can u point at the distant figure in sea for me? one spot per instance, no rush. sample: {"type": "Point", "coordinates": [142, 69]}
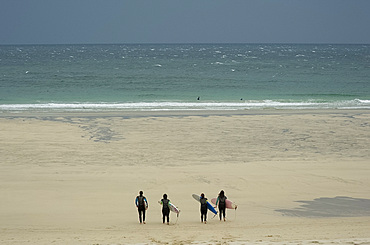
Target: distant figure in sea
{"type": "Point", "coordinates": [142, 206]}
{"type": "Point", "coordinates": [165, 208]}
{"type": "Point", "coordinates": [221, 202]}
{"type": "Point", "coordinates": [198, 98]}
{"type": "Point", "coordinates": [203, 208]}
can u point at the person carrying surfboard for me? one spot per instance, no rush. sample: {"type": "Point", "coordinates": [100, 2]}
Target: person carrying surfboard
{"type": "Point", "coordinates": [203, 208]}
{"type": "Point", "coordinates": [165, 208]}
{"type": "Point", "coordinates": [142, 206]}
{"type": "Point", "coordinates": [221, 202]}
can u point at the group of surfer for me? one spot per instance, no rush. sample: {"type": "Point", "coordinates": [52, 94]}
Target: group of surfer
{"type": "Point", "coordinates": [142, 205]}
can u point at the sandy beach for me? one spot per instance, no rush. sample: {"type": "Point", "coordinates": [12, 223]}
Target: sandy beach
{"type": "Point", "coordinates": [298, 177]}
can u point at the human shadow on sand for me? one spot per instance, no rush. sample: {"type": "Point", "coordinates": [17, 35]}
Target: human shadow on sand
{"type": "Point", "coordinates": [339, 206]}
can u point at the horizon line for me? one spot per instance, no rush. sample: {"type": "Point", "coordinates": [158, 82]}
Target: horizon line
{"type": "Point", "coordinates": [189, 43]}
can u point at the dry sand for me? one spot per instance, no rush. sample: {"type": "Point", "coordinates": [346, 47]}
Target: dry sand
{"type": "Point", "coordinates": [297, 177]}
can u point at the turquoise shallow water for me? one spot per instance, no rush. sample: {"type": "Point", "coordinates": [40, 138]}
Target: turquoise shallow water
{"type": "Point", "coordinates": [184, 77]}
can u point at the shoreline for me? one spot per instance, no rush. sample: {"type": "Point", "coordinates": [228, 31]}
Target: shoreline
{"type": "Point", "coordinates": [180, 113]}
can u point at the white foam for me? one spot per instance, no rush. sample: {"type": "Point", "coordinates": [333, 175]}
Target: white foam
{"type": "Point", "coordinates": [159, 105]}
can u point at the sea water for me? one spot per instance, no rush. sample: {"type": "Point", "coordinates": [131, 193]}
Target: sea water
{"type": "Point", "coordinates": [184, 77]}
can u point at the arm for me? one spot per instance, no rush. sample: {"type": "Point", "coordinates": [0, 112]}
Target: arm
{"type": "Point", "coordinates": [136, 202]}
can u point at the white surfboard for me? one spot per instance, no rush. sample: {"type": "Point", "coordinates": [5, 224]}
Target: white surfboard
{"type": "Point", "coordinates": [173, 208]}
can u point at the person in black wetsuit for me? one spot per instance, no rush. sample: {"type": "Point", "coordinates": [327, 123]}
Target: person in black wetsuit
{"type": "Point", "coordinates": [203, 208]}
{"type": "Point", "coordinates": [142, 206]}
{"type": "Point", "coordinates": [221, 202]}
{"type": "Point", "coordinates": [165, 208]}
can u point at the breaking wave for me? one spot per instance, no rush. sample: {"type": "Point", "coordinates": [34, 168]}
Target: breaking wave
{"type": "Point", "coordinates": [167, 106]}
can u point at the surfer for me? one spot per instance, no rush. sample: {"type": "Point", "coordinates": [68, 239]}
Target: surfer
{"type": "Point", "coordinates": [142, 206]}
{"type": "Point", "coordinates": [165, 208]}
{"type": "Point", "coordinates": [203, 208]}
{"type": "Point", "coordinates": [221, 202]}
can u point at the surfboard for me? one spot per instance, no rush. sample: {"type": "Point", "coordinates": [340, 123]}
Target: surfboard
{"type": "Point", "coordinates": [229, 204]}
{"type": "Point", "coordinates": [209, 205]}
{"type": "Point", "coordinates": [173, 208]}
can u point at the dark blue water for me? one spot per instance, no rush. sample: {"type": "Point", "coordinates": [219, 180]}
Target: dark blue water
{"type": "Point", "coordinates": [167, 77]}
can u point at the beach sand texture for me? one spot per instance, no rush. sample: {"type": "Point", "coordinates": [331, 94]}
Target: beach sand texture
{"type": "Point", "coordinates": [298, 177]}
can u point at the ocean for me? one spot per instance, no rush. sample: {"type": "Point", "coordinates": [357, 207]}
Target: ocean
{"type": "Point", "coordinates": [150, 77]}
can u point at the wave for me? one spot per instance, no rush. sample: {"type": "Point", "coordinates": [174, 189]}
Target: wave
{"type": "Point", "coordinates": [163, 106]}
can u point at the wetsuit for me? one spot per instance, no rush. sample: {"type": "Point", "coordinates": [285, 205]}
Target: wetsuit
{"type": "Point", "coordinates": [203, 209]}
{"type": "Point", "coordinates": [221, 201]}
{"type": "Point", "coordinates": [141, 204]}
{"type": "Point", "coordinates": [166, 209]}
